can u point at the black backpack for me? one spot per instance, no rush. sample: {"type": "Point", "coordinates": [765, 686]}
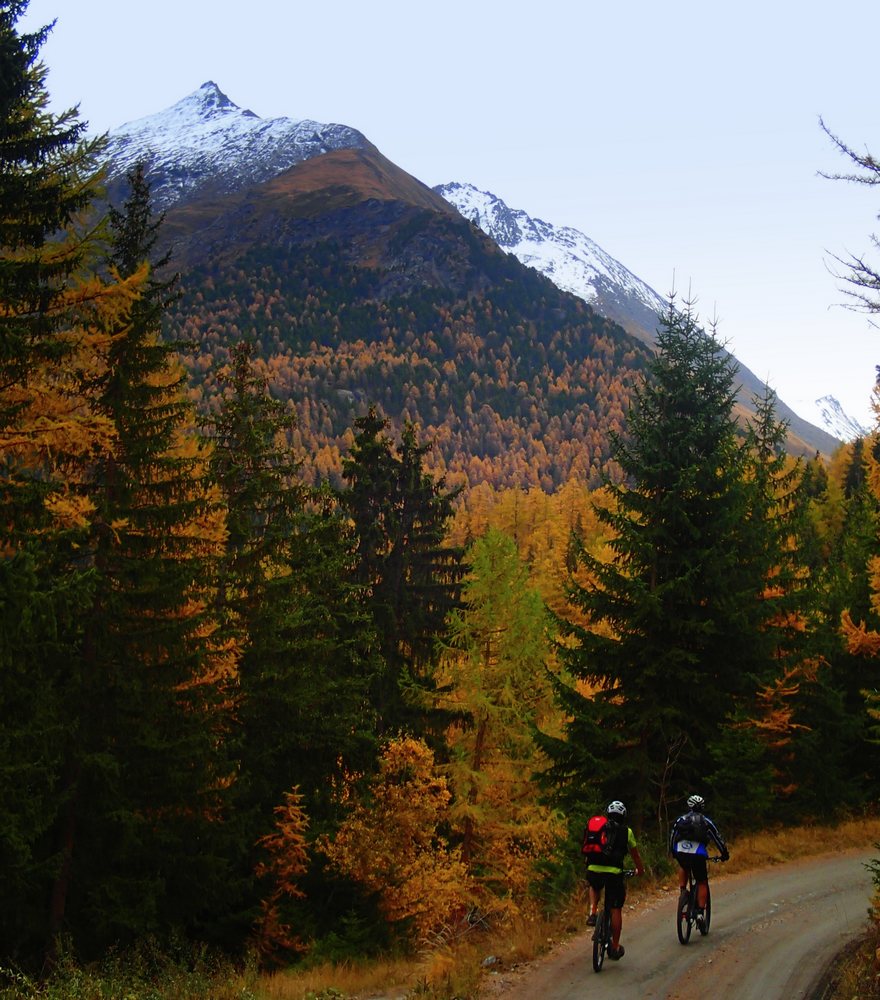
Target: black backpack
{"type": "Point", "coordinates": [692, 826]}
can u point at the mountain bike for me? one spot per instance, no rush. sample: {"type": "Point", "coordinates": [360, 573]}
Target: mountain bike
{"type": "Point", "coordinates": [688, 915]}
{"type": "Point", "coordinates": [602, 932]}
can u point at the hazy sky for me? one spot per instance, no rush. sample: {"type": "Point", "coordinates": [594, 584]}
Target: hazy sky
{"type": "Point", "coordinates": [682, 137]}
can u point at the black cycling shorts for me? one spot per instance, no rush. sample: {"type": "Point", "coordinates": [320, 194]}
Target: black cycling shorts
{"type": "Point", "coordinates": [695, 863]}
{"type": "Point", "coordinates": [613, 884]}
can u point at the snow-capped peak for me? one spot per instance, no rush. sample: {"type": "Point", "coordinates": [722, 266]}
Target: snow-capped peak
{"type": "Point", "coordinates": [206, 140]}
{"type": "Point", "coordinates": [827, 413]}
{"type": "Point", "coordinates": [571, 260]}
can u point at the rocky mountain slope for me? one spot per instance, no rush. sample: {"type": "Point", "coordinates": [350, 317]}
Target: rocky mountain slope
{"type": "Point", "coordinates": [578, 265]}
{"type": "Point", "coordinates": [361, 285]}
{"type": "Point", "coordinates": [206, 145]}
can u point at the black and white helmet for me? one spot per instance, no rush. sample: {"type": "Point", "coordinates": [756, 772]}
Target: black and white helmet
{"type": "Point", "coordinates": [697, 803]}
{"type": "Point", "coordinates": [616, 808]}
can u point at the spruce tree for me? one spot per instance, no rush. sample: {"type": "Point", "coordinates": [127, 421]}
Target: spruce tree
{"type": "Point", "coordinates": [146, 772]}
{"type": "Point", "coordinates": [411, 577]}
{"type": "Point", "coordinates": [669, 643]}
{"type": "Point", "coordinates": [308, 647]}
{"type": "Point", "coordinates": [51, 320]}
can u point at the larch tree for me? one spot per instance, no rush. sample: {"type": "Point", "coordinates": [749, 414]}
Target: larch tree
{"type": "Point", "coordinates": [494, 671]}
{"type": "Point", "coordinates": [393, 844]}
{"type": "Point", "coordinates": [858, 272]}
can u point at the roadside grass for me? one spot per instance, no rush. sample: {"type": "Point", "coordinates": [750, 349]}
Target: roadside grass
{"type": "Point", "coordinates": [857, 975]}
{"type": "Point", "coordinates": [462, 969]}
{"type": "Point", "coordinates": [459, 969]}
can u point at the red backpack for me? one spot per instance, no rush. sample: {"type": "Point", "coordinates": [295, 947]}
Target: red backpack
{"type": "Point", "coordinates": [605, 842]}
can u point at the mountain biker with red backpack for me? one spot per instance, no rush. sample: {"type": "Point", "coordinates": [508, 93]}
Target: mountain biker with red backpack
{"type": "Point", "coordinates": [689, 841]}
{"type": "Point", "coordinates": [604, 848]}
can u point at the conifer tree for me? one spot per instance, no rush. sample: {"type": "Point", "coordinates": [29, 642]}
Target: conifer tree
{"type": "Point", "coordinates": [308, 648]}
{"type": "Point", "coordinates": [669, 640]}
{"type": "Point", "coordinates": [412, 578]}
{"type": "Point", "coordinates": [52, 336]}
{"type": "Point", "coordinates": [793, 683]}
{"type": "Point", "coordinates": [494, 671]}
{"type": "Point", "coordinates": [146, 774]}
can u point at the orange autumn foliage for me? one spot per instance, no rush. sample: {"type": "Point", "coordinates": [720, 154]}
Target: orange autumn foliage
{"type": "Point", "coordinates": [391, 843]}
{"type": "Point", "coordinates": [288, 860]}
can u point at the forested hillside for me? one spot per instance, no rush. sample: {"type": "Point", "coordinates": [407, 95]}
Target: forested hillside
{"type": "Point", "coordinates": [288, 701]}
{"type": "Point", "coordinates": [517, 385]}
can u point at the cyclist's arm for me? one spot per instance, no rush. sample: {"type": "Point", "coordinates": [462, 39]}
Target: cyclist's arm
{"type": "Point", "coordinates": [717, 839]}
{"type": "Point", "coordinates": [634, 854]}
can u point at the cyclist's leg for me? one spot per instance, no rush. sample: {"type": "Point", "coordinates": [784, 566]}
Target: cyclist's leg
{"type": "Point", "coordinates": [682, 880]}
{"type": "Point", "coordinates": [595, 882]}
{"type": "Point", "coordinates": [615, 889]}
{"type": "Point", "coordinates": [701, 875]}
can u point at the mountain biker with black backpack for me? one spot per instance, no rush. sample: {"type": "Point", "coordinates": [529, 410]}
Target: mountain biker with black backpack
{"type": "Point", "coordinates": [689, 841]}
{"type": "Point", "coordinates": [607, 840]}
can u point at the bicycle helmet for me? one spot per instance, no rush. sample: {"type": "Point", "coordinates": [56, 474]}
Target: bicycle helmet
{"type": "Point", "coordinates": [697, 803]}
{"type": "Point", "coordinates": [616, 808]}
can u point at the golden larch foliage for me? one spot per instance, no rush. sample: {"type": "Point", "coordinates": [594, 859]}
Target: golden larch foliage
{"type": "Point", "coordinates": [391, 843]}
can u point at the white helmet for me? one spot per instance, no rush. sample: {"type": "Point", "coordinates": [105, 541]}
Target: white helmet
{"type": "Point", "coordinates": [697, 803]}
{"type": "Point", "coordinates": [616, 808]}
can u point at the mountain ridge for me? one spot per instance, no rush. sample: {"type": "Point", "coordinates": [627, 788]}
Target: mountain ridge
{"type": "Point", "coordinates": [579, 265]}
{"type": "Point", "coordinates": [409, 290]}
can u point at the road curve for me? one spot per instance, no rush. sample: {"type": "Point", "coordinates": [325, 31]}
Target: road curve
{"type": "Point", "coordinates": [773, 934]}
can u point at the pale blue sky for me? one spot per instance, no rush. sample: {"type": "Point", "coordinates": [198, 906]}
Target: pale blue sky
{"type": "Point", "coordinates": [682, 137]}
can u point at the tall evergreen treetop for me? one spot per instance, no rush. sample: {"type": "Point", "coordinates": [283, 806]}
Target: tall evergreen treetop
{"type": "Point", "coordinates": [667, 645]}
{"type": "Point", "coordinates": [412, 578]}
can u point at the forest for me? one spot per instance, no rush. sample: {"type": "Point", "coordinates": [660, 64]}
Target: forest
{"type": "Point", "coordinates": [291, 715]}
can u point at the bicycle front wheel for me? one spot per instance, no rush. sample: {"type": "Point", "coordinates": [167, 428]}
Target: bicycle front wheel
{"type": "Point", "coordinates": [601, 936]}
{"type": "Point", "coordinates": [684, 918]}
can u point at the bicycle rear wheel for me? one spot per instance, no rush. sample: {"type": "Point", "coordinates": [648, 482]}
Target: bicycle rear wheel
{"type": "Point", "coordinates": [684, 917]}
{"type": "Point", "coordinates": [601, 937]}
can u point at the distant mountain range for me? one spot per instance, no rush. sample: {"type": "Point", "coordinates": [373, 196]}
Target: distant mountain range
{"type": "Point", "coordinates": [571, 260]}
{"type": "Point", "coordinates": [578, 265]}
{"type": "Point", "coordinates": [361, 283]}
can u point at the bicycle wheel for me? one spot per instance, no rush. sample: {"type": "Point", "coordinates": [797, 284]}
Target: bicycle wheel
{"type": "Point", "coordinates": [601, 937]}
{"type": "Point", "coordinates": [704, 929]}
{"type": "Point", "coordinates": [684, 918]}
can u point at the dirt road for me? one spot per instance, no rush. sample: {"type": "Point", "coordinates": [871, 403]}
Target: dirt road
{"type": "Point", "coordinates": [773, 934]}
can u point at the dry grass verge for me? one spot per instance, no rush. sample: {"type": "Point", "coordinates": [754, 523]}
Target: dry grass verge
{"type": "Point", "coordinates": [459, 970]}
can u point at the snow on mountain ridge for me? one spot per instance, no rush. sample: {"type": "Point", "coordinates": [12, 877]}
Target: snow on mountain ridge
{"type": "Point", "coordinates": [828, 413]}
{"type": "Point", "coordinates": [206, 139]}
{"type": "Point", "coordinates": [570, 259]}
{"type": "Point", "coordinates": [576, 264]}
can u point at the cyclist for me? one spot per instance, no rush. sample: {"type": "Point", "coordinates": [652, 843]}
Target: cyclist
{"type": "Point", "coordinates": [689, 841]}
{"type": "Point", "coordinates": [610, 877]}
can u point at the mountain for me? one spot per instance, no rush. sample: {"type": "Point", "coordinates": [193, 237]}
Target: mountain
{"type": "Point", "coordinates": [362, 285]}
{"type": "Point", "coordinates": [578, 265]}
{"type": "Point", "coordinates": [207, 145]}
{"type": "Point", "coordinates": [830, 415]}
{"type": "Point", "coordinates": [571, 260]}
